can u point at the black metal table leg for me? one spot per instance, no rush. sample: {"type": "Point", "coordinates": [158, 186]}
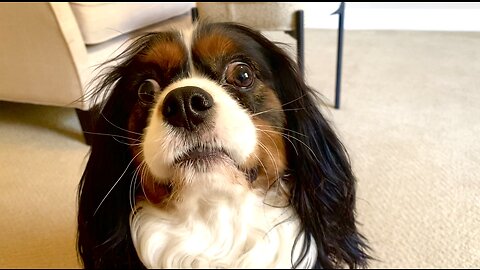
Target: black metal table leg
{"type": "Point", "coordinates": [341, 13]}
{"type": "Point", "coordinates": [299, 29]}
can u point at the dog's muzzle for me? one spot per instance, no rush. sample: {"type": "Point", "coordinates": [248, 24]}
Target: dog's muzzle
{"type": "Point", "coordinates": [187, 107]}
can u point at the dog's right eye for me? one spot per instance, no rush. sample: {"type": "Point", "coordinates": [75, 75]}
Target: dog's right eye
{"type": "Point", "coordinates": [147, 91]}
{"type": "Point", "coordinates": [240, 75]}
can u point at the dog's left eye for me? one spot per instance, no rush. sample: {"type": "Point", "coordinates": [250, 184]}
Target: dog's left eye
{"type": "Point", "coordinates": [240, 75]}
{"type": "Point", "coordinates": [147, 91]}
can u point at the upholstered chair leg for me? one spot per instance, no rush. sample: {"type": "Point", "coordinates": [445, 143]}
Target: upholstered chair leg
{"type": "Point", "coordinates": [86, 122]}
{"type": "Point", "coordinates": [194, 14]}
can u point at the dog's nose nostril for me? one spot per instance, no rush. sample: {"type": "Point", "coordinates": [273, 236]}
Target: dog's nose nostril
{"type": "Point", "coordinates": [200, 102]}
{"type": "Point", "coordinates": [187, 107]}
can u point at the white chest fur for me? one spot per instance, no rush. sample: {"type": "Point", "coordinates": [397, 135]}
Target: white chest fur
{"type": "Point", "coordinates": [217, 227]}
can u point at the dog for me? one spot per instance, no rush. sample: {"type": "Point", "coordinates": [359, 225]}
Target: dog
{"type": "Point", "coordinates": [211, 151]}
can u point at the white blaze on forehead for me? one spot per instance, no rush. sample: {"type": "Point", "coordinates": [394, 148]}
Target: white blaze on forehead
{"type": "Point", "coordinates": [232, 130]}
{"type": "Point", "coordinates": [187, 37]}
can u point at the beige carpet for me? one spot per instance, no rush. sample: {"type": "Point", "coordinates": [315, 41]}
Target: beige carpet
{"type": "Point", "coordinates": [410, 117]}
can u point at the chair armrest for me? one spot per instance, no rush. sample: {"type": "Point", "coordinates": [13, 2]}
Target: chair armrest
{"type": "Point", "coordinates": [42, 54]}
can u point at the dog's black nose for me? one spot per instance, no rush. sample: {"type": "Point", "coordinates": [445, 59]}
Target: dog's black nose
{"type": "Point", "coordinates": [187, 107]}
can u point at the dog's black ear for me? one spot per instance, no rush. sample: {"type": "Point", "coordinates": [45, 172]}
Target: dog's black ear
{"type": "Point", "coordinates": [325, 186]}
{"type": "Point", "coordinates": [324, 189]}
{"type": "Point", "coordinates": [106, 190]}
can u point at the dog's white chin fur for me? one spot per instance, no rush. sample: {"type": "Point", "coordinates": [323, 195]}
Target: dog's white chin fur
{"type": "Point", "coordinates": [217, 224]}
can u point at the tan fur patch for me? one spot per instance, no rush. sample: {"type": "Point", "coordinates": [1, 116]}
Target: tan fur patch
{"type": "Point", "coordinates": [271, 153]}
{"type": "Point", "coordinates": [214, 46]}
{"type": "Point", "coordinates": [150, 189]}
{"type": "Point", "coordinates": [167, 54]}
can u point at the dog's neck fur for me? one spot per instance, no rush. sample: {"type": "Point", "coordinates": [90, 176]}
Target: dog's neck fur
{"type": "Point", "coordinates": [217, 223]}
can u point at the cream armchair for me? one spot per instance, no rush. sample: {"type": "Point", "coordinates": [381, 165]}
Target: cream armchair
{"type": "Point", "coordinates": [48, 50]}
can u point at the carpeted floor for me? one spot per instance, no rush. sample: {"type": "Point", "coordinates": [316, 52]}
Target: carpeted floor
{"type": "Point", "coordinates": [410, 117]}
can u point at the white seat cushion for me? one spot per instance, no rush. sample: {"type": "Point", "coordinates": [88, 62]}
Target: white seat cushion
{"type": "Point", "coordinates": [101, 21]}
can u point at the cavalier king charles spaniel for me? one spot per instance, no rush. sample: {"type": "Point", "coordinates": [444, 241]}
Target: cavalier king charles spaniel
{"type": "Point", "coordinates": [212, 152]}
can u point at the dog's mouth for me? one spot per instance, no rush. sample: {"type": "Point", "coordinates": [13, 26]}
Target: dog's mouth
{"type": "Point", "coordinates": [203, 156]}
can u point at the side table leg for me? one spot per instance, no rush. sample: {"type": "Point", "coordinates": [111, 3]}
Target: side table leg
{"type": "Point", "coordinates": [299, 28]}
{"type": "Point", "coordinates": [341, 13]}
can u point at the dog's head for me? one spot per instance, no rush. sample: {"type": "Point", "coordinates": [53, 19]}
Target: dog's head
{"type": "Point", "coordinates": [215, 99]}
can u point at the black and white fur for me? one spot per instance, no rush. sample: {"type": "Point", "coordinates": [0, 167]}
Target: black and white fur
{"type": "Point", "coordinates": [211, 151]}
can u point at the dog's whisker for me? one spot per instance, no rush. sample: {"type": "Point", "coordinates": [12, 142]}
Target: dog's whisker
{"type": "Point", "coordinates": [126, 130]}
{"type": "Point", "coordinates": [139, 173]}
{"type": "Point", "coordinates": [290, 109]}
{"type": "Point", "coordinates": [291, 101]}
{"type": "Point", "coordinates": [129, 144]}
{"type": "Point", "coordinates": [276, 110]}
{"type": "Point", "coordinates": [283, 135]}
{"type": "Point", "coordinates": [116, 182]}
{"type": "Point", "coordinates": [271, 139]}
{"type": "Point", "coordinates": [304, 144]}
{"type": "Point", "coordinates": [261, 163]}
{"type": "Point", "coordinates": [142, 179]}
{"type": "Point", "coordinates": [115, 136]}
{"type": "Point", "coordinates": [293, 131]}
{"type": "Point", "coordinates": [133, 187]}
{"type": "Point", "coordinates": [272, 158]}
{"type": "Point", "coordinates": [260, 113]}
{"type": "Point", "coordinates": [268, 179]}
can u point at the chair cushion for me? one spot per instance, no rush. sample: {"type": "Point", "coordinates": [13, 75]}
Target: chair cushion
{"type": "Point", "coordinates": [101, 21]}
{"type": "Point", "coordinates": [265, 16]}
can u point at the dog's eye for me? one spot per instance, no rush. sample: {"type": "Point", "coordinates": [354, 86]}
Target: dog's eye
{"type": "Point", "coordinates": [147, 91]}
{"type": "Point", "coordinates": [240, 75]}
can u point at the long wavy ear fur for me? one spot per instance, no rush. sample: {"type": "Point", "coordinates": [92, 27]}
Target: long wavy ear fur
{"type": "Point", "coordinates": [104, 208]}
{"type": "Point", "coordinates": [103, 239]}
{"type": "Point", "coordinates": [324, 190]}
{"type": "Point", "coordinates": [103, 234]}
